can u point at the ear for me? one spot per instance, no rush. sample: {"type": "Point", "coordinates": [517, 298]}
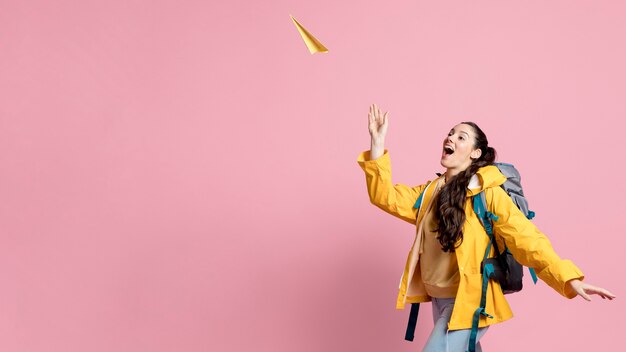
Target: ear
{"type": "Point", "coordinates": [476, 153]}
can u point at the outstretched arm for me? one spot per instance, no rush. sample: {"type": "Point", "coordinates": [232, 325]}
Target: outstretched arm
{"type": "Point", "coordinates": [533, 249]}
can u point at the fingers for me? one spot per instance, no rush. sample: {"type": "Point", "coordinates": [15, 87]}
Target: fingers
{"type": "Point", "coordinates": [372, 114]}
{"type": "Point", "coordinates": [600, 292]}
{"type": "Point", "coordinates": [585, 290]}
{"type": "Point", "coordinates": [581, 292]}
{"type": "Point", "coordinates": [376, 115]}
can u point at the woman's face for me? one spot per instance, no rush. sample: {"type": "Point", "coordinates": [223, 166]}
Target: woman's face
{"type": "Point", "coordinates": [458, 148]}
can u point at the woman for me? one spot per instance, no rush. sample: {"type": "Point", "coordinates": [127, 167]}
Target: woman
{"type": "Point", "coordinates": [444, 263]}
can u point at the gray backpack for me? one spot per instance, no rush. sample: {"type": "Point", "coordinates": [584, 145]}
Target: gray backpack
{"type": "Point", "coordinates": [503, 267]}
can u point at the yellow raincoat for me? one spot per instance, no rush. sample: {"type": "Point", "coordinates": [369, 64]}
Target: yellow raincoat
{"type": "Point", "coordinates": [529, 245]}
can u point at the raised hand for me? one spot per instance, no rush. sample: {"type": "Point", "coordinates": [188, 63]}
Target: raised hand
{"type": "Point", "coordinates": [378, 124]}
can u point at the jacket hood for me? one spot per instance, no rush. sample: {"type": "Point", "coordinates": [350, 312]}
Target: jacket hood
{"type": "Point", "coordinates": [486, 177]}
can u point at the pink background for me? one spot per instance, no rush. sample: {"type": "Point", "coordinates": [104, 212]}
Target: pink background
{"type": "Point", "coordinates": [182, 176]}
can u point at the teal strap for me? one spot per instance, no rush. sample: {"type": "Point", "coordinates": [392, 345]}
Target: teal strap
{"type": "Point", "coordinates": [533, 274]}
{"type": "Point", "coordinates": [487, 271]}
{"type": "Point", "coordinates": [485, 217]}
{"type": "Point", "coordinates": [492, 216]}
{"type": "Point", "coordinates": [474, 333]}
{"type": "Point", "coordinates": [418, 203]}
{"type": "Point", "coordinates": [479, 208]}
{"type": "Point", "coordinates": [472, 340]}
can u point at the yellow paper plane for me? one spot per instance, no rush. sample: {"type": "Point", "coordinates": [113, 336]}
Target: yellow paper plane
{"type": "Point", "coordinates": [313, 44]}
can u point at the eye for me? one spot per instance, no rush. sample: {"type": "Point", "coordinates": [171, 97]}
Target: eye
{"type": "Point", "coordinates": [461, 138]}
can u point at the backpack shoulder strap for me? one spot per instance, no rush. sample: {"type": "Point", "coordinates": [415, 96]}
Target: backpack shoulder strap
{"type": "Point", "coordinates": [418, 203]}
{"type": "Point", "coordinates": [480, 208]}
{"type": "Point", "coordinates": [485, 217]}
{"type": "Point", "coordinates": [424, 199]}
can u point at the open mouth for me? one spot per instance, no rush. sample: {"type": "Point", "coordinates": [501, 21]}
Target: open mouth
{"type": "Point", "coordinates": [447, 150]}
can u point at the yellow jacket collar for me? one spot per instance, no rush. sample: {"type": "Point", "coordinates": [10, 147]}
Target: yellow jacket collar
{"type": "Point", "coordinates": [486, 177]}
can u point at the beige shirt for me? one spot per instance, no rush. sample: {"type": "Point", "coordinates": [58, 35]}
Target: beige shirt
{"type": "Point", "coordinates": [439, 269]}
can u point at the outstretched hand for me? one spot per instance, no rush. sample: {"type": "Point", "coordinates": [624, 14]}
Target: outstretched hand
{"type": "Point", "coordinates": [584, 290]}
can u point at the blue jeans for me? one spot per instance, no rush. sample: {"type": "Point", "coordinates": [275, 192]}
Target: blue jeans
{"type": "Point", "coordinates": [443, 340]}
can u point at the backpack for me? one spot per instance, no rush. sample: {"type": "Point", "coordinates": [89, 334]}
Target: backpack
{"type": "Point", "coordinates": [503, 267]}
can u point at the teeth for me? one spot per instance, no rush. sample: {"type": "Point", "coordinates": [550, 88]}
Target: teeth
{"type": "Point", "coordinates": [448, 150]}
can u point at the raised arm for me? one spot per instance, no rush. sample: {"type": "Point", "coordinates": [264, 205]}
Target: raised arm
{"type": "Point", "coordinates": [397, 200]}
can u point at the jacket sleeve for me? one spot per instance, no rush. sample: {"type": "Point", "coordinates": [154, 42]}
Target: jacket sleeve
{"type": "Point", "coordinates": [397, 200]}
{"type": "Point", "coordinates": [530, 246]}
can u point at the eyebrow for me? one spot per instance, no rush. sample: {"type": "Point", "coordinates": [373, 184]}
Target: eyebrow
{"type": "Point", "coordinates": [452, 130]}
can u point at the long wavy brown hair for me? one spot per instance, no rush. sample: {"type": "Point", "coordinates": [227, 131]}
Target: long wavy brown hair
{"type": "Point", "coordinates": [450, 206]}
